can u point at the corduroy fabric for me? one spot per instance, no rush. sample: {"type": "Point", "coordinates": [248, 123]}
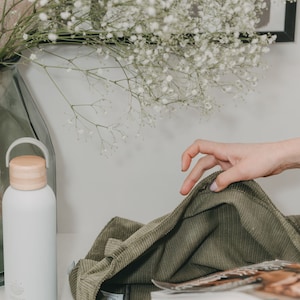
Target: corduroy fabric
{"type": "Point", "coordinates": [207, 232]}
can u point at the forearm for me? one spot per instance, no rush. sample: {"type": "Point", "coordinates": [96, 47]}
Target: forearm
{"type": "Point", "coordinates": [289, 154]}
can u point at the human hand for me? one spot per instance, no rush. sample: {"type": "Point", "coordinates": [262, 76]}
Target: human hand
{"type": "Point", "coordinates": [239, 161]}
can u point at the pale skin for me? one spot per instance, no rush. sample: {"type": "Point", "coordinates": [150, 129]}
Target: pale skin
{"type": "Point", "coordinates": [239, 161]}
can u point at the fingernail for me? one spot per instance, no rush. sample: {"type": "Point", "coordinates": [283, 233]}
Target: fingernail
{"type": "Point", "coordinates": [213, 187]}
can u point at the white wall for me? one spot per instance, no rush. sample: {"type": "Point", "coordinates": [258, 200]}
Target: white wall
{"type": "Point", "coordinates": [141, 180]}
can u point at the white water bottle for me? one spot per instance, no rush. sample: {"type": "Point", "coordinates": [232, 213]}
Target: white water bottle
{"type": "Point", "coordinates": [29, 228]}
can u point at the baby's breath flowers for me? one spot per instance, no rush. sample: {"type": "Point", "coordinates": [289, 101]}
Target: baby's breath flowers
{"type": "Point", "coordinates": [173, 53]}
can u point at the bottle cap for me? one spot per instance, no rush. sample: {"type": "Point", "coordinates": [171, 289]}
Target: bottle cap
{"type": "Point", "coordinates": [27, 172]}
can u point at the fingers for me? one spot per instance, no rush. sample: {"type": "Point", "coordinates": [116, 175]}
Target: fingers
{"type": "Point", "coordinates": [188, 155]}
{"type": "Point", "coordinates": [199, 146]}
{"type": "Point", "coordinates": [205, 163]}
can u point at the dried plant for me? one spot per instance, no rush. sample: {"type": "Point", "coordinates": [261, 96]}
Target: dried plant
{"type": "Point", "coordinates": [171, 54]}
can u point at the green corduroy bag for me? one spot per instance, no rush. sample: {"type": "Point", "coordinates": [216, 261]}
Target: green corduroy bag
{"type": "Point", "coordinates": [207, 232]}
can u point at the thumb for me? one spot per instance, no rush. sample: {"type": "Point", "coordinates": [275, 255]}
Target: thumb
{"type": "Point", "coordinates": [224, 179]}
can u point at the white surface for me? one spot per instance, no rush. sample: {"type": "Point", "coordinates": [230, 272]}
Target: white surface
{"type": "Point", "coordinates": [70, 247]}
{"type": "Point", "coordinates": [141, 180]}
{"type": "Point", "coordinates": [203, 296]}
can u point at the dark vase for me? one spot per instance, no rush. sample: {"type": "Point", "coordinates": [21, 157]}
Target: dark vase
{"type": "Point", "coordinates": [19, 117]}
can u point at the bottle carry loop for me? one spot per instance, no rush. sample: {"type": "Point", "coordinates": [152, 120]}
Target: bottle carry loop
{"type": "Point", "coordinates": [27, 140]}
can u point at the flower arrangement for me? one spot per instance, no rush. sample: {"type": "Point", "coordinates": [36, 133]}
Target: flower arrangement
{"type": "Point", "coordinates": [173, 53]}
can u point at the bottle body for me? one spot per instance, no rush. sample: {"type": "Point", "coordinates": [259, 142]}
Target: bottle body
{"type": "Point", "coordinates": [29, 239]}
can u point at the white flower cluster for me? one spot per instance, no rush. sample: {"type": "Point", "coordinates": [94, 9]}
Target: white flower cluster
{"type": "Point", "coordinates": [177, 51]}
